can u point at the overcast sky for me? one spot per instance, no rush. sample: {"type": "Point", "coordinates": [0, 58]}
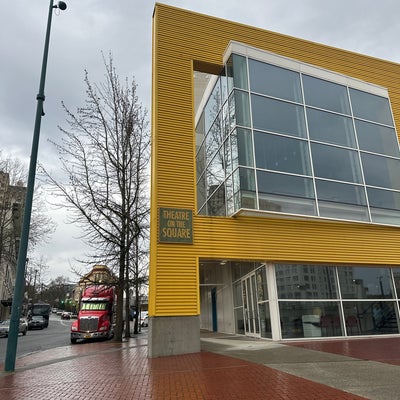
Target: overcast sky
{"type": "Point", "coordinates": [123, 27]}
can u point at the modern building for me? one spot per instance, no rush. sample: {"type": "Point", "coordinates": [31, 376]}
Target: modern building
{"type": "Point", "coordinates": [12, 200]}
{"type": "Point", "coordinates": [275, 191]}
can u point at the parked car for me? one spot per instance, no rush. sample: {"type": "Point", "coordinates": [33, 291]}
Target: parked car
{"type": "Point", "coordinates": [66, 315]}
{"type": "Point", "coordinates": [145, 321]}
{"type": "Point", "coordinates": [5, 327]}
{"type": "Point", "coordinates": [37, 322]}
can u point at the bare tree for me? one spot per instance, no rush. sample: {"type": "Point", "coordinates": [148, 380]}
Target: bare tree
{"type": "Point", "coordinates": [104, 154]}
{"type": "Point", "coordinates": [12, 200]}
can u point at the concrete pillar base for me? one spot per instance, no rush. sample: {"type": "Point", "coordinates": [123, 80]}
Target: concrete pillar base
{"type": "Point", "coordinates": [173, 335]}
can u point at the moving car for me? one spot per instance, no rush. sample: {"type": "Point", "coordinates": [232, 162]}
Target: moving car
{"type": "Point", "coordinates": [5, 327]}
{"type": "Point", "coordinates": [66, 315]}
{"type": "Point", "coordinates": [37, 322]}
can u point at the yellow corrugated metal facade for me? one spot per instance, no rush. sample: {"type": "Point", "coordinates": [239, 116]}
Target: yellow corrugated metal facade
{"type": "Point", "coordinates": [180, 40]}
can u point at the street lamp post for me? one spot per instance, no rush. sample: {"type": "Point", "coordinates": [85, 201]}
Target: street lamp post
{"type": "Point", "coordinates": [12, 340]}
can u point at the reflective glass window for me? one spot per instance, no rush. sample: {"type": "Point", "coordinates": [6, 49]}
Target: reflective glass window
{"type": "Point", "coordinates": [269, 182]}
{"type": "Point", "coordinates": [310, 319]}
{"type": "Point", "coordinates": [214, 139]}
{"type": "Point", "coordinates": [281, 153]}
{"type": "Point", "coordinates": [240, 72]}
{"type": "Point", "coordinates": [324, 275]}
{"type": "Point", "coordinates": [200, 160]}
{"type": "Point", "coordinates": [215, 170]}
{"type": "Point", "coordinates": [225, 120]}
{"type": "Point", "coordinates": [327, 95]}
{"type": "Point", "coordinates": [213, 106]}
{"type": "Point", "coordinates": [265, 320]}
{"type": "Point", "coordinates": [224, 86]}
{"type": "Point", "coordinates": [341, 201]}
{"type": "Point", "coordinates": [262, 287]}
{"type": "Point", "coordinates": [377, 138]}
{"type": "Point", "coordinates": [200, 130]}
{"type": "Point", "coordinates": [216, 203]}
{"type": "Point", "coordinates": [380, 198]}
{"type": "Point", "coordinates": [247, 179]}
{"type": "Point", "coordinates": [370, 317]}
{"type": "Point", "coordinates": [365, 283]}
{"type": "Point", "coordinates": [201, 191]}
{"type": "Point", "coordinates": [227, 157]}
{"type": "Point", "coordinates": [229, 74]}
{"type": "Point", "coordinates": [381, 171]}
{"type": "Point", "coordinates": [242, 108]}
{"type": "Point", "coordinates": [396, 277]}
{"type": "Point", "coordinates": [330, 128]}
{"type": "Point", "coordinates": [278, 116]}
{"type": "Point", "coordinates": [242, 148]}
{"type": "Point", "coordinates": [274, 81]}
{"type": "Point", "coordinates": [336, 163]}
{"type": "Point", "coordinates": [340, 192]}
{"type": "Point", "coordinates": [371, 107]}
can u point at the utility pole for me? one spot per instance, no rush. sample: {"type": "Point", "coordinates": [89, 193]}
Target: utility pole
{"type": "Point", "coordinates": [12, 341]}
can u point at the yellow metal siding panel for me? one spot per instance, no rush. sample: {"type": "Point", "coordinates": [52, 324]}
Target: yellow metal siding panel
{"type": "Point", "coordinates": [180, 38]}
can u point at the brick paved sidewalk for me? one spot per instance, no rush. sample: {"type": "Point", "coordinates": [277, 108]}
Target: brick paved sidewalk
{"type": "Point", "coordinates": [123, 371]}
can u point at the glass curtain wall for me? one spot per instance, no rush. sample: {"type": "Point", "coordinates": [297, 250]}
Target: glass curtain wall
{"type": "Point", "coordinates": [318, 301]}
{"type": "Point", "coordinates": [278, 140]}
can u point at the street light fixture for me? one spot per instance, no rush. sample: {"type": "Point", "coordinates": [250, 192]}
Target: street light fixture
{"type": "Point", "coordinates": [12, 340]}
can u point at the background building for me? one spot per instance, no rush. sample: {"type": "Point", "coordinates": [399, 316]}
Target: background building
{"type": "Point", "coordinates": [275, 186]}
{"type": "Point", "coordinates": [12, 200]}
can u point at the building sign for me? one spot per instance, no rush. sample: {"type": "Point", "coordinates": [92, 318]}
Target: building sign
{"type": "Point", "coordinates": [175, 225]}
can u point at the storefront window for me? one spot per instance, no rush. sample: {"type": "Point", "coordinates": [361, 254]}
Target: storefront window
{"type": "Point", "coordinates": [365, 283]}
{"type": "Point", "coordinates": [310, 319]}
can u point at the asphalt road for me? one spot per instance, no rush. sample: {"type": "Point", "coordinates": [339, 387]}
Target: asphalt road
{"type": "Point", "coordinates": [55, 335]}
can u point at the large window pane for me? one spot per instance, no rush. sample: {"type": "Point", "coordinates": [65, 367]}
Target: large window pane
{"type": "Point", "coordinates": [215, 171]}
{"type": "Point", "coordinates": [269, 182]}
{"type": "Point", "coordinates": [371, 107]}
{"type": "Point", "coordinates": [274, 81]}
{"type": "Point", "coordinates": [285, 193]}
{"type": "Point", "coordinates": [330, 128]}
{"type": "Point", "coordinates": [227, 157]}
{"type": "Point", "coordinates": [216, 203]}
{"type": "Point", "coordinates": [278, 116]}
{"type": "Point", "coordinates": [365, 283]}
{"type": "Point", "coordinates": [242, 108]}
{"type": "Point", "coordinates": [340, 192]}
{"type": "Point", "coordinates": [336, 163]}
{"type": "Point", "coordinates": [299, 281]}
{"type": "Point", "coordinates": [200, 161]}
{"type": "Point", "coordinates": [370, 317]}
{"type": "Point", "coordinates": [341, 201]}
{"type": "Point", "coordinates": [383, 198]}
{"type": "Point", "coordinates": [201, 191]}
{"type": "Point", "coordinates": [214, 139]}
{"type": "Point", "coordinates": [310, 319]}
{"type": "Point", "coordinates": [385, 206]}
{"type": "Point", "coordinates": [281, 153]}
{"type": "Point", "coordinates": [381, 171]}
{"type": "Point", "coordinates": [327, 95]}
{"type": "Point", "coordinates": [262, 287]}
{"type": "Point", "coordinates": [213, 106]}
{"type": "Point", "coordinates": [240, 72]}
{"type": "Point", "coordinates": [377, 138]}
{"type": "Point", "coordinates": [242, 148]}
{"type": "Point", "coordinates": [265, 320]}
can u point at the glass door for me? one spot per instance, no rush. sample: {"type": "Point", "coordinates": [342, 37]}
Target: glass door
{"type": "Point", "coordinates": [250, 306]}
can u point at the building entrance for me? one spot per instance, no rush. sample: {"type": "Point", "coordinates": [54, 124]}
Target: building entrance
{"type": "Point", "coordinates": [250, 306]}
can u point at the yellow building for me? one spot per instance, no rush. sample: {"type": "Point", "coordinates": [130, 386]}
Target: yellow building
{"type": "Point", "coordinates": [275, 189]}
